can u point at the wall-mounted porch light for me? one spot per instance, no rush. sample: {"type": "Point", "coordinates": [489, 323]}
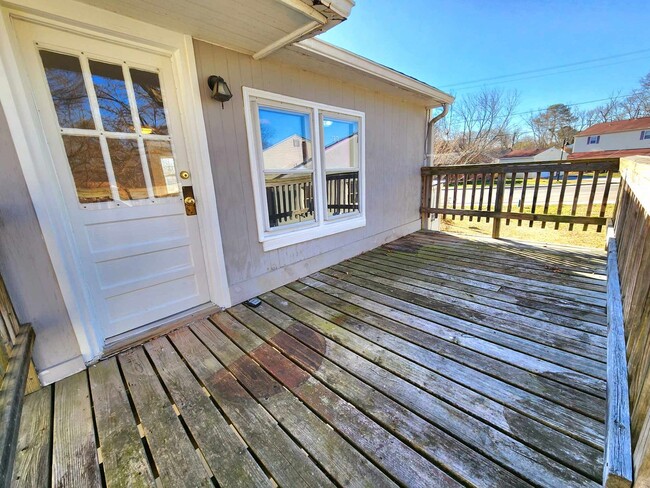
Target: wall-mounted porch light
{"type": "Point", "coordinates": [220, 90]}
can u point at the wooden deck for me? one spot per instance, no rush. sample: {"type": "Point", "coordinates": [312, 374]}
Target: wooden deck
{"type": "Point", "coordinates": [432, 361]}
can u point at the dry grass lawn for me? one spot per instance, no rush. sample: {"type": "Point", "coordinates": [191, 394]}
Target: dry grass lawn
{"type": "Point", "coordinates": [575, 237]}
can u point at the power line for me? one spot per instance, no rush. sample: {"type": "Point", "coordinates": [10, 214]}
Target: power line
{"type": "Point", "coordinates": [549, 68]}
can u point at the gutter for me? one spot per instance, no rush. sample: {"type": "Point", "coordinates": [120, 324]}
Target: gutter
{"type": "Point", "coordinates": [428, 144]}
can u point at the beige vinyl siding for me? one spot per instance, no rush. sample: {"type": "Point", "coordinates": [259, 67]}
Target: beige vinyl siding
{"type": "Point", "coordinates": [395, 132]}
{"type": "Point", "coordinates": [26, 267]}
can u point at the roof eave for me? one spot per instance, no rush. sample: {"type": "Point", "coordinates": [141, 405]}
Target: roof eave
{"type": "Point", "coordinates": [371, 68]}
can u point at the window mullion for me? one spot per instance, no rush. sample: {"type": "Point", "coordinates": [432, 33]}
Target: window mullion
{"type": "Point", "coordinates": [135, 116]}
{"type": "Point", "coordinates": [99, 125]}
{"type": "Point", "coordinates": [319, 180]}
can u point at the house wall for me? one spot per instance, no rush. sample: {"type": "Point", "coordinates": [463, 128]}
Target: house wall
{"type": "Point", "coordinates": [26, 267]}
{"type": "Point", "coordinates": [611, 142]}
{"type": "Point", "coordinates": [395, 132]}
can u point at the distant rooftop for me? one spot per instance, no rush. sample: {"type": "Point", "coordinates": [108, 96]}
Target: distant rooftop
{"type": "Point", "coordinates": [618, 126]}
{"type": "Point", "coordinates": [610, 154]}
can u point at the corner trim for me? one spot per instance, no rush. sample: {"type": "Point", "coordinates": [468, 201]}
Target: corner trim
{"type": "Point", "coordinates": [62, 370]}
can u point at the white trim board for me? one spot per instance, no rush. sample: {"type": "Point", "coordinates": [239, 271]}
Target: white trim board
{"type": "Point", "coordinates": [36, 160]}
{"type": "Point", "coordinates": [376, 70]}
{"type": "Point", "coordinates": [62, 370]}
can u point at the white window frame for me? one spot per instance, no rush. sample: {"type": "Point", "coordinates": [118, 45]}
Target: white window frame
{"type": "Point", "coordinates": [593, 140]}
{"type": "Point", "coordinates": [645, 135]}
{"type": "Point", "coordinates": [322, 226]}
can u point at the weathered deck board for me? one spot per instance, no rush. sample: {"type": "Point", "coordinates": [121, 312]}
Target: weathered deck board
{"type": "Point", "coordinates": [434, 360]}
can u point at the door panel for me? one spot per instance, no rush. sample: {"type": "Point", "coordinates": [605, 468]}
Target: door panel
{"type": "Point", "coordinates": [111, 118]}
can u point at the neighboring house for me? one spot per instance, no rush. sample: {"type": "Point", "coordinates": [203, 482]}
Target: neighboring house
{"type": "Point", "coordinates": [533, 156]}
{"type": "Point", "coordinates": [111, 141]}
{"type": "Point", "coordinates": [613, 139]}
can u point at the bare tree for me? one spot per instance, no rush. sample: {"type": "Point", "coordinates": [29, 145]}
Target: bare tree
{"type": "Point", "coordinates": [554, 126]}
{"type": "Point", "coordinates": [478, 128]}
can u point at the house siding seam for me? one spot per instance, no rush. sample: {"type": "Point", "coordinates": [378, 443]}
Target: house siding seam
{"type": "Point", "coordinates": [394, 143]}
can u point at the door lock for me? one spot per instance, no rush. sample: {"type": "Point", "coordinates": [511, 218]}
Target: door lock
{"type": "Point", "coordinates": [189, 201]}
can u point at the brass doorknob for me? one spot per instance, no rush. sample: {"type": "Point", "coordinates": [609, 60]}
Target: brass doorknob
{"type": "Point", "coordinates": [189, 201]}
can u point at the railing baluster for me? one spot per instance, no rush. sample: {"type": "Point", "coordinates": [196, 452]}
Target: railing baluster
{"type": "Point", "coordinates": [576, 195]}
{"type": "Point", "coordinates": [565, 176]}
{"type": "Point", "coordinates": [523, 197]}
{"type": "Point", "coordinates": [462, 198]}
{"type": "Point", "coordinates": [535, 192]}
{"type": "Point", "coordinates": [489, 202]}
{"type": "Point", "coordinates": [592, 195]}
{"type": "Point", "coordinates": [453, 217]}
{"type": "Point", "coordinates": [549, 189]}
{"type": "Point", "coordinates": [480, 199]}
{"type": "Point", "coordinates": [438, 191]}
{"type": "Point", "coordinates": [473, 195]}
{"type": "Point", "coordinates": [511, 193]}
{"type": "Point", "coordinates": [444, 215]}
{"type": "Point", "coordinates": [498, 205]}
{"type": "Point", "coordinates": [603, 205]}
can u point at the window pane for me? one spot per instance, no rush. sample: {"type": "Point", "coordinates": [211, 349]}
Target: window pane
{"type": "Point", "coordinates": [289, 198]}
{"type": "Point", "coordinates": [162, 168]}
{"type": "Point", "coordinates": [341, 140]}
{"type": "Point", "coordinates": [125, 158]}
{"type": "Point", "coordinates": [148, 97]}
{"type": "Point", "coordinates": [112, 96]}
{"type": "Point", "coordinates": [342, 192]}
{"type": "Point", "coordinates": [88, 170]}
{"type": "Point", "coordinates": [286, 139]}
{"type": "Point", "coordinates": [68, 90]}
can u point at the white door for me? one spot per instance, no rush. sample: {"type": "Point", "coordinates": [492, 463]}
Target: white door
{"type": "Point", "coordinates": [111, 118]}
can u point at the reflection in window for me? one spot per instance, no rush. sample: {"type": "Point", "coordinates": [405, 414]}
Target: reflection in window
{"type": "Point", "coordinates": [289, 198]}
{"type": "Point", "coordinates": [66, 83]}
{"type": "Point", "coordinates": [87, 167]}
{"type": "Point", "coordinates": [127, 167]}
{"type": "Point", "coordinates": [112, 96]}
{"type": "Point", "coordinates": [148, 97]}
{"type": "Point", "coordinates": [162, 168]}
{"type": "Point", "coordinates": [341, 157]}
{"type": "Point", "coordinates": [286, 139]}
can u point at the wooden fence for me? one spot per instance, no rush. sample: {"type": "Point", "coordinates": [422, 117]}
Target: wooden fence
{"type": "Point", "coordinates": [632, 231]}
{"type": "Point", "coordinates": [546, 192]}
{"type": "Point", "coordinates": [291, 200]}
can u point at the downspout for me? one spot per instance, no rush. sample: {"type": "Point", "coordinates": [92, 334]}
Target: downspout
{"type": "Point", "coordinates": [428, 144]}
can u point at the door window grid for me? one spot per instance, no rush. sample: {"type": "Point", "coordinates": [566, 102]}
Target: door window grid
{"type": "Point", "coordinates": [139, 134]}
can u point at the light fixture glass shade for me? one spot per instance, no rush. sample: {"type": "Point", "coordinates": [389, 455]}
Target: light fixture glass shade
{"type": "Point", "coordinates": [220, 89]}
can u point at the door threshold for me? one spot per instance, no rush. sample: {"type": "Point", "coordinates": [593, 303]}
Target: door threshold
{"type": "Point", "coordinates": [118, 343]}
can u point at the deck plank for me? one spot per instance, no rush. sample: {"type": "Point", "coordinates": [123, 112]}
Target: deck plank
{"type": "Point", "coordinates": [125, 462]}
{"type": "Point", "coordinates": [33, 452]}
{"type": "Point", "coordinates": [228, 457]}
{"type": "Point", "coordinates": [74, 453]}
{"type": "Point", "coordinates": [173, 453]}
{"type": "Point", "coordinates": [285, 461]}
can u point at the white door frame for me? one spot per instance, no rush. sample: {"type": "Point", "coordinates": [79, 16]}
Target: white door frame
{"type": "Point", "coordinates": [38, 166]}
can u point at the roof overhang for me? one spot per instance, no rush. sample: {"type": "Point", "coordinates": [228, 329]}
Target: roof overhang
{"type": "Point", "coordinates": [255, 27]}
{"type": "Point", "coordinates": [321, 56]}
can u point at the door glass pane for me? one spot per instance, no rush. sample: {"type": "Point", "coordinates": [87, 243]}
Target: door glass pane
{"type": "Point", "coordinates": [125, 158]}
{"type": "Point", "coordinates": [162, 168]}
{"type": "Point", "coordinates": [112, 96]}
{"type": "Point", "coordinates": [87, 167]}
{"type": "Point", "coordinates": [68, 91]}
{"type": "Point", "coordinates": [289, 198]}
{"type": "Point", "coordinates": [148, 97]}
{"type": "Point", "coordinates": [286, 139]}
{"type": "Point", "coordinates": [342, 154]}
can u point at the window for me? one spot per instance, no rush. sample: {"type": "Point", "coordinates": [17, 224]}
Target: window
{"type": "Point", "coordinates": [593, 139]}
{"type": "Point", "coordinates": [307, 162]}
{"type": "Point", "coordinates": [112, 121]}
{"type": "Point", "coordinates": [645, 134]}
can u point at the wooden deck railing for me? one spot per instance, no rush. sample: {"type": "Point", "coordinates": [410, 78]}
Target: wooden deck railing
{"type": "Point", "coordinates": [536, 192]}
{"type": "Point", "coordinates": [632, 247]}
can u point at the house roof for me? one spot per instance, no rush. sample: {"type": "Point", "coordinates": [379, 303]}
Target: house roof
{"type": "Point", "coordinates": [618, 126]}
{"type": "Point", "coordinates": [522, 153]}
{"type": "Point", "coordinates": [321, 56]}
{"type": "Point", "coordinates": [610, 154]}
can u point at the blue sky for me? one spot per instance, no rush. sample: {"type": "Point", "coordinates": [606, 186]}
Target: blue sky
{"type": "Point", "coordinates": [453, 42]}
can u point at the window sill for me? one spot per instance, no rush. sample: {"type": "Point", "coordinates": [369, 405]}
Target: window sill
{"type": "Point", "coordinates": [271, 242]}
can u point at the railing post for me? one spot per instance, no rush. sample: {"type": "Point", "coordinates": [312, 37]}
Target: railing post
{"type": "Point", "coordinates": [498, 205]}
{"type": "Point", "coordinates": [425, 202]}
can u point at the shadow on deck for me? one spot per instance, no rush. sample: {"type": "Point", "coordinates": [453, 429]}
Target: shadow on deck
{"type": "Point", "coordinates": [434, 360]}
